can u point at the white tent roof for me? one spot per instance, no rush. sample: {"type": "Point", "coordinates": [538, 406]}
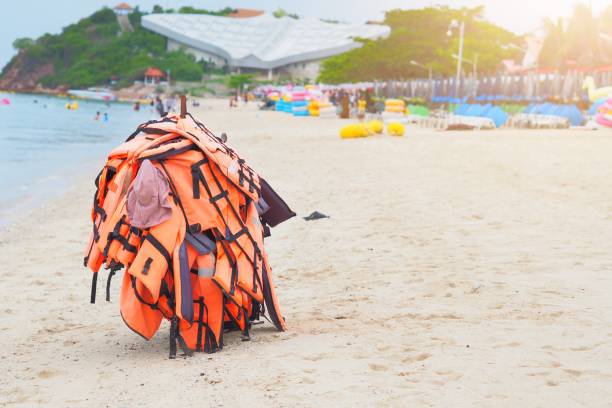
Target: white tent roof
{"type": "Point", "coordinates": [264, 41]}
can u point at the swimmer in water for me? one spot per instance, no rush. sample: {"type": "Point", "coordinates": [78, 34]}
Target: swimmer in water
{"type": "Point", "coordinates": [97, 115]}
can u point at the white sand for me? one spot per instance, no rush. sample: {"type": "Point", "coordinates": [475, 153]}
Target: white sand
{"type": "Point", "coordinates": [457, 269]}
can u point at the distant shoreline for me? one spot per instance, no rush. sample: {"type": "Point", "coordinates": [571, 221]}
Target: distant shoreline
{"type": "Point", "coordinates": [62, 95]}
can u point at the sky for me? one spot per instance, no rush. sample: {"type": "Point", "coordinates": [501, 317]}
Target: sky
{"type": "Point", "coordinates": [32, 18]}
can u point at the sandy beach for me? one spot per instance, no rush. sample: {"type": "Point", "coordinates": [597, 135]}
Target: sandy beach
{"type": "Point", "coordinates": [458, 269]}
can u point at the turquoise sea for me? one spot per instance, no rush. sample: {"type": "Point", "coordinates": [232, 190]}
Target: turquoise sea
{"type": "Point", "coordinates": [44, 147]}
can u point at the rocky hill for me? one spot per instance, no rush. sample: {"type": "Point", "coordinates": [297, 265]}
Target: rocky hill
{"type": "Point", "coordinates": [92, 52]}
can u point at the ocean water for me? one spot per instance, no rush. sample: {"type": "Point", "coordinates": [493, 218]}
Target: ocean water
{"type": "Point", "coordinates": [44, 147]}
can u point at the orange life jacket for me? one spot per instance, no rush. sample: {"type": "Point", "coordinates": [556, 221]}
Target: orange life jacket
{"type": "Point", "coordinates": [205, 268]}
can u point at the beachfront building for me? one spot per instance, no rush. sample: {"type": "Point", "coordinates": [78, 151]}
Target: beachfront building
{"type": "Point", "coordinates": [153, 76]}
{"type": "Point", "coordinates": [260, 43]}
{"type": "Point", "coordinates": [123, 9]}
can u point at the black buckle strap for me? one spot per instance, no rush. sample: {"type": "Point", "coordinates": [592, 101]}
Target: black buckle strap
{"type": "Point", "coordinates": [219, 196]}
{"type": "Point", "coordinates": [112, 272]}
{"type": "Point", "coordinates": [173, 330]}
{"type": "Point", "coordinates": [160, 248]}
{"type": "Point", "coordinates": [252, 185]}
{"type": "Point", "coordinates": [196, 175]}
{"type": "Point", "coordinates": [175, 337]}
{"type": "Point", "coordinates": [126, 244]}
{"type": "Point", "coordinates": [99, 210]}
{"type": "Point", "coordinates": [147, 266]}
{"type": "Point", "coordinates": [113, 235]}
{"type": "Point", "coordinates": [136, 231]}
{"type": "Point", "coordinates": [195, 181]}
{"type": "Point", "coordinates": [232, 238]}
{"type": "Point", "coordinates": [140, 299]}
{"type": "Point", "coordinates": [140, 128]}
{"type": "Point", "coordinates": [94, 284]}
{"type": "Point", "coordinates": [202, 305]}
{"type": "Point", "coordinates": [96, 233]}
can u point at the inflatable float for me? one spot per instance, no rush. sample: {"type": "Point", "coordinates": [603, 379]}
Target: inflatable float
{"type": "Point", "coordinates": [596, 93]}
{"type": "Point", "coordinates": [604, 114]}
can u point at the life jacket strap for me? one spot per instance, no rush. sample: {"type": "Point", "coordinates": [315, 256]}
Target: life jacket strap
{"type": "Point", "coordinates": [202, 305]}
{"type": "Point", "coordinates": [94, 284]}
{"type": "Point", "coordinates": [219, 196]}
{"type": "Point", "coordinates": [141, 128]}
{"type": "Point", "coordinates": [113, 235]}
{"type": "Point", "coordinates": [169, 153]}
{"type": "Point", "coordinates": [112, 272]}
{"type": "Point", "coordinates": [160, 248]}
{"type": "Point", "coordinates": [175, 337]}
{"type": "Point", "coordinates": [234, 237]}
{"type": "Point", "coordinates": [99, 210]}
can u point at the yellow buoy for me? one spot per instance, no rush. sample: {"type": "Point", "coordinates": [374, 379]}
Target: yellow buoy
{"type": "Point", "coordinates": [395, 129]}
{"type": "Point", "coordinates": [354, 131]}
{"type": "Point", "coordinates": [375, 126]}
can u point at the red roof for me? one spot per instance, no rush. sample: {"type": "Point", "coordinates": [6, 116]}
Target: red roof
{"type": "Point", "coordinates": [245, 13]}
{"type": "Point", "coordinates": [154, 72]}
{"type": "Point", "coordinates": [123, 6]}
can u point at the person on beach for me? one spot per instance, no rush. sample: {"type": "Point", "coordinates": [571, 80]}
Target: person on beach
{"type": "Point", "coordinates": [170, 103]}
{"type": "Point", "coordinates": [233, 102]}
{"type": "Point", "coordinates": [159, 105]}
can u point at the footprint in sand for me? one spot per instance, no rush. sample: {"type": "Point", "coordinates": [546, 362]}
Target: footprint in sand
{"type": "Point", "coordinates": [449, 374]}
{"type": "Point", "coordinates": [377, 367]}
{"type": "Point", "coordinates": [573, 373]}
{"type": "Point", "coordinates": [511, 344]}
{"type": "Point", "coordinates": [44, 374]}
{"type": "Point", "coordinates": [413, 359]}
{"type": "Point", "coordinates": [539, 374]}
{"type": "Point", "coordinates": [315, 357]}
{"type": "Point", "coordinates": [586, 348]}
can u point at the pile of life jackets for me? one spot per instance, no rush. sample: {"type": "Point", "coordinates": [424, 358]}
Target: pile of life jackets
{"type": "Point", "coordinates": [203, 267]}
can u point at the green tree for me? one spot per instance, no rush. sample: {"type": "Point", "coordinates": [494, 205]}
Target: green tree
{"type": "Point", "coordinates": [280, 13]}
{"type": "Point", "coordinates": [90, 52]}
{"type": "Point", "coordinates": [587, 41]}
{"type": "Point", "coordinates": [23, 43]}
{"type": "Point", "coordinates": [550, 54]}
{"type": "Point", "coordinates": [420, 35]}
{"type": "Point", "coordinates": [238, 81]}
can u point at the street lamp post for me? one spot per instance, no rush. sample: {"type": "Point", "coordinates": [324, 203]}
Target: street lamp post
{"type": "Point", "coordinates": [430, 72]}
{"type": "Point", "coordinates": [474, 64]}
{"type": "Point", "coordinates": [461, 25]}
